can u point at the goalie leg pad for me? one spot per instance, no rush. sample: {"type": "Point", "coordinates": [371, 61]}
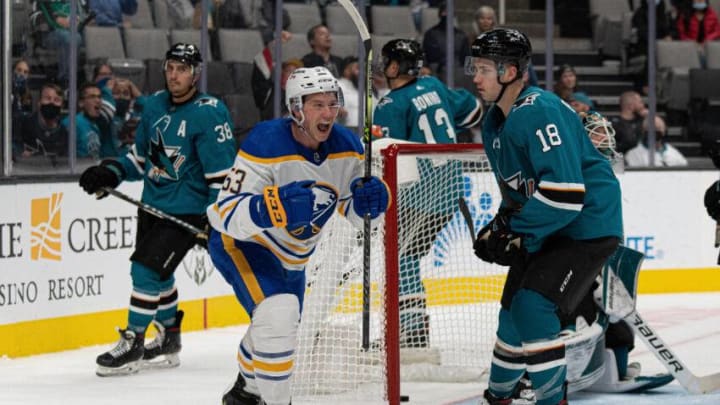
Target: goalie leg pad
{"type": "Point", "coordinates": [610, 381]}
{"type": "Point", "coordinates": [618, 290]}
{"type": "Point", "coordinates": [273, 332]}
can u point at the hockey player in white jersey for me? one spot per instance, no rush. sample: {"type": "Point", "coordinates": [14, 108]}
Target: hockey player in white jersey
{"type": "Point", "coordinates": [290, 176]}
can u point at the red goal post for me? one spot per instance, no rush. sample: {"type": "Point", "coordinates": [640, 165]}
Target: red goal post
{"type": "Point", "coordinates": [425, 237]}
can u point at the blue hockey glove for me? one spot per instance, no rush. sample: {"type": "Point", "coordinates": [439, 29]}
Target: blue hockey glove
{"type": "Point", "coordinates": [370, 196]}
{"type": "Point", "coordinates": [289, 206]}
{"type": "Point", "coordinates": [496, 243]}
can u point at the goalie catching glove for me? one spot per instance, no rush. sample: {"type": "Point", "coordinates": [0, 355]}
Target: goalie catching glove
{"type": "Point", "coordinates": [496, 243]}
{"type": "Point", "coordinates": [288, 206]}
{"type": "Point", "coordinates": [370, 196]}
{"type": "Point", "coordinates": [108, 173]}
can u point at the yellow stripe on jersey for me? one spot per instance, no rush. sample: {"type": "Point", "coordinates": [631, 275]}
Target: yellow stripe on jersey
{"type": "Point", "coordinates": [279, 254]}
{"type": "Point", "coordinates": [289, 158]}
{"type": "Point", "coordinates": [226, 209]}
{"type": "Point", "coordinates": [282, 367]}
{"type": "Point", "coordinates": [243, 268]}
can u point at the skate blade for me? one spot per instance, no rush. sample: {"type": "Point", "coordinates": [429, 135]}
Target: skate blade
{"type": "Point", "coordinates": [161, 362]}
{"type": "Point", "coordinates": [127, 369]}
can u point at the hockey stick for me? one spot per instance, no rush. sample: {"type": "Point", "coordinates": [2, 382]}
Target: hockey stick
{"type": "Point", "coordinates": [199, 233]}
{"type": "Point", "coordinates": [692, 383]}
{"type": "Point", "coordinates": [367, 43]}
{"type": "Point", "coordinates": [465, 211]}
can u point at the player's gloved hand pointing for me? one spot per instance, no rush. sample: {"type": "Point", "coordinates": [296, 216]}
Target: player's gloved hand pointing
{"type": "Point", "coordinates": [107, 174]}
{"type": "Point", "coordinates": [288, 206]}
{"type": "Point", "coordinates": [370, 196]}
{"type": "Point", "coordinates": [496, 243]}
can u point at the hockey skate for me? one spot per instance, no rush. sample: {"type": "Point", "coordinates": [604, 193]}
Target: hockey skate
{"type": "Point", "coordinates": [125, 358]}
{"type": "Point", "coordinates": [237, 395]}
{"type": "Point", "coordinates": [163, 351]}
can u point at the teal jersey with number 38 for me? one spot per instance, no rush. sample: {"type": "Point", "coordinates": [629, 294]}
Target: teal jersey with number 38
{"type": "Point", "coordinates": [426, 111]}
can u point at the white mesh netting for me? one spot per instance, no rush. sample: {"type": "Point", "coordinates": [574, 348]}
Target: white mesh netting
{"type": "Point", "coordinates": [448, 298]}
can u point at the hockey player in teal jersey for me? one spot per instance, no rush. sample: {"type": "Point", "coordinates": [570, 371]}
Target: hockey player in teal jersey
{"type": "Point", "coordinates": [183, 149]}
{"type": "Point", "coordinates": [559, 221]}
{"type": "Point", "coordinates": [290, 177]}
{"type": "Point", "coordinates": [423, 110]}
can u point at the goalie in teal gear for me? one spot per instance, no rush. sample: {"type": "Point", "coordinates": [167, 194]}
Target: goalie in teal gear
{"type": "Point", "coordinates": [421, 109]}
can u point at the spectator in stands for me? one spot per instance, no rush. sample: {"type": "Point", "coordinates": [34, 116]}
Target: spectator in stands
{"type": "Point", "coordinates": [180, 13]}
{"type": "Point", "coordinates": [125, 95]}
{"type": "Point", "coordinates": [320, 42]}
{"type": "Point", "coordinates": [435, 48]}
{"type": "Point", "coordinates": [484, 19]}
{"type": "Point", "coordinates": [700, 25]}
{"type": "Point", "coordinates": [262, 18]}
{"type": "Point", "coordinates": [664, 28]}
{"type": "Point", "coordinates": [42, 133]}
{"type": "Point", "coordinates": [628, 126]}
{"type": "Point", "coordinates": [665, 153]}
{"type": "Point", "coordinates": [349, 113]}
{"type": "Point", "coordinates": [51, 21]}
{"type": "Point", "coordinates": [92, 140]}
{"type": "Point", "coordinates": [566, 81]}
{"type": "Point", "coordinates": [109, 13]}
{"type": "Point", "coordinates": [262, 83]}
{"type": "Point", "coordinates": [20, 99]}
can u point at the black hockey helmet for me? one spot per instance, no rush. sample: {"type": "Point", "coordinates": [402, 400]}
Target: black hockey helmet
{"type": "Point", "coordinates": [503, 45]}
{"type": "Point", "coordinates": [188, 54]}
{"type": "Point", "coordinates": [407, 53]}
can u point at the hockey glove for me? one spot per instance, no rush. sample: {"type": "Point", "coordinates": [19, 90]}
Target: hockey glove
{"type": "Point", "coordinates": [496, 243]}
{"type": "Point", "coordinates": [201, 239]}
{"type": "Point", "coordinates": [712, 200]}
{"type": "Point", "coordinates": [289, 206]}
{"type": "Point", "coordinates": [109, 173]}
{"type": "Point", "coordinates": [370, 196]}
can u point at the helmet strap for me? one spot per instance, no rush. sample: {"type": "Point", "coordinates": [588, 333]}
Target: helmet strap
{"type": "Point", "coordinates": [501, 71]}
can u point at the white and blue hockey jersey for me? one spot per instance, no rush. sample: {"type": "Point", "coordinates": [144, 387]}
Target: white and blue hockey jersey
{"type": "Point", "coordinates": [270, 156]}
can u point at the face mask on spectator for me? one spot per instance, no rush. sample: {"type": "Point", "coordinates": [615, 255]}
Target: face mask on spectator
{"type": "Point", "coordinates": [50, 111]}
{"type": "Point", "coordinates": [19, 82]}
{"type": "Point", "coordinates": [121, 106]}
{"type": "Point", "coordinates": [699, 6]}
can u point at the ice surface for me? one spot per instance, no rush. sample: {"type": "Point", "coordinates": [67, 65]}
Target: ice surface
{"type": "Point", "coordinates": [688, 323]}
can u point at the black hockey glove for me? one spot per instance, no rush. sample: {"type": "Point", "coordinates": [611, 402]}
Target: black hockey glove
{"type": "Point", "coordinates": [496, 243]}
{"type": "Point", "coordinates": [107, 174]}
{"type": "Point", "coordinates": [201, 239]}
{"type": "Point", "coordinates": [712, 200]}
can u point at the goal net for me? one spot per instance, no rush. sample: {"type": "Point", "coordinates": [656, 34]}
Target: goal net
{"type": "Point", "coordinates": [433, 304]}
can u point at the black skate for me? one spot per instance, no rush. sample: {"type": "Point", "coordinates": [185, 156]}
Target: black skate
{"type": "Point", "coordinates": [163, 351]}
{"type": "Point", "coordinates": [238, 396]}
{"type": "Point", "coordinates": [125, 358]}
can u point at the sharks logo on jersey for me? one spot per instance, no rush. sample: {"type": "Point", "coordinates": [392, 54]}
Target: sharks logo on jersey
{"type": "Point", "coordinates": [326, 199]}
{"type": "Point", "coordinates": [166, 159]}
{"type": "Point", "coordinates": [527, 100]}
{"type": "Point", "coordinates": [518, 183]}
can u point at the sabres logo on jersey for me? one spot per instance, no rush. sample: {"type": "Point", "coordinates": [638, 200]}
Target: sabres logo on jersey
{"type": "Point", "coordinates": [166, 160]}
{"type": "Point", "coordinates": [326, 199]}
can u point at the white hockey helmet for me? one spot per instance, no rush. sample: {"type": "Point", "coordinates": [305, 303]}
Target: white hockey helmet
{"type": "Point", "coordinates": [306, 81]}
